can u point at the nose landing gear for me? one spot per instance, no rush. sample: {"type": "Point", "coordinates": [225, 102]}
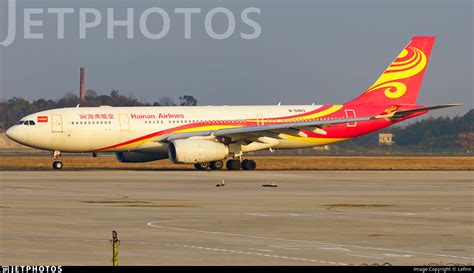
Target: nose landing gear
{"type": "Point", "coordinates": [57, 164]}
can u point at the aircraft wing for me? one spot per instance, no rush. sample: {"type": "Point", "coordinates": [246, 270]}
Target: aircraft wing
{"type": "Point", "coordinates": [314, 126]}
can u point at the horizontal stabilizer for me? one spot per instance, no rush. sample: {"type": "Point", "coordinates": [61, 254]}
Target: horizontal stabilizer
{"type": "Point", "coordinates": [403, 113]}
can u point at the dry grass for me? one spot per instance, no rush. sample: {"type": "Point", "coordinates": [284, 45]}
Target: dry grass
{"type": "Point", "coordinates": [263, 163]}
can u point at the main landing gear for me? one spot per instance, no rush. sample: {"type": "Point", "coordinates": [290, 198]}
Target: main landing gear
{"type": "Point", "coordinates": [201, 166]}
{"type": "Point", "coordinates": [249, 165]}
{"type": "Point", "coordinates": [246, 164]}
{"type": "Point", "coordinates": [215, 165]}
{"type": "Point", "coordinates": [232, 164]}
{"type": "Point", "coordinates": [57, 164]}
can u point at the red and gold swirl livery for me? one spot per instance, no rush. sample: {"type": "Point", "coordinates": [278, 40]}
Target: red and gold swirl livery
{"type": "Point", "coordinates": [409, 63]}
{"type": "Point", "coordinates": [401, 81]}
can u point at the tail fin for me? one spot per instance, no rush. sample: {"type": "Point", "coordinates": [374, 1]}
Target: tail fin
{"type": "Point", "coordinates": [401, 81]}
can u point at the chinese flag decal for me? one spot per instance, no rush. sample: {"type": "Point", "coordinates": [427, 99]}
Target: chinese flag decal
{"type": "Point", "coordinates": [42, 119]}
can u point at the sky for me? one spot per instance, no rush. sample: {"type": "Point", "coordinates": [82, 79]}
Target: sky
{"type": "Point", "coordinates": [323, 52]}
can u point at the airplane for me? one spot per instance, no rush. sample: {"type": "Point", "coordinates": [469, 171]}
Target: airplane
{"type": "Point", "coordinates": [208, 135]}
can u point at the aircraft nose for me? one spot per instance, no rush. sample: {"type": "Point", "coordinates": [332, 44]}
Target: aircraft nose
{"type": "Point", "coordinates": [18, 135]}
{"type": "Point", "coordinates": [12, 133]}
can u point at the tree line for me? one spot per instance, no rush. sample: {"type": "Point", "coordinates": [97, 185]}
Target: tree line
{"type": "Point", "coordinates": [430, 134]}
{"type": "Point", "coordinates": [15, 108]}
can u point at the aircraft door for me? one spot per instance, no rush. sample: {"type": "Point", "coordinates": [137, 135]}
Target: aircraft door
{"type": "Point", "coordinates": [260, 120]}
{"type": "Point", "coordinates": [124, 122]}
{"type": "Point", "coordinates": [57, 122]}
{"type": "Point", "coordinates": [350, 113]}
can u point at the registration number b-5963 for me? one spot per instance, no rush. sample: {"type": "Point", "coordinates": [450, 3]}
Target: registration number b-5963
{"type": "Point", "coordinates": [296, 110]}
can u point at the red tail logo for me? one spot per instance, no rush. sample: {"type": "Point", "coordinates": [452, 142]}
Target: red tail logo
{"type": "Point", "coordinates": [401, 81]}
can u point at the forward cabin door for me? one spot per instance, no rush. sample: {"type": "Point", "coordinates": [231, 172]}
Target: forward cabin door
{"type": "Point", "coordinates": [57, 121]}
{"type": "Point", "coordinates": [350, 113]}
{"type": "Point", "coordinates": [124, 122]}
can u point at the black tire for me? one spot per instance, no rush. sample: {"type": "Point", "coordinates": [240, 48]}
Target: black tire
{"type": "Point", "coordinates": [249, 165]}
{"type": "Point", "coordinates": [57, 165]}
{"type": "Point", "coordinates": [233, 165]}
{"type": "Point", "coordinates": [216, 165]}
{"type": "Point", "coordinates": [201, 166]}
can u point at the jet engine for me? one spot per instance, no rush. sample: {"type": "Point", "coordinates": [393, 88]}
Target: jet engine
{"type": "Point", "coordinates": [134, 157]}
{"type": "Point", "coordinates": [196, 151]}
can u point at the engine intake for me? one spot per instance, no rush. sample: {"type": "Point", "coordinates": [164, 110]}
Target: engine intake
{"type": "Point", "coordinates": [196, 151]}
{"type": "Point", "coordinates": [134, 157]}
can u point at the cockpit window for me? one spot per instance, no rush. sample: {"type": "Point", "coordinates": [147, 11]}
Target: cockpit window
{"type": "Point", "coordinates": [26, 122]}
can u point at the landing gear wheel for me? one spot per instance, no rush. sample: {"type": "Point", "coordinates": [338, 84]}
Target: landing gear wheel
{"type": "Point", "coordinates": [201, 166]}
{"type": "Point", "coordinates": [233, 164]}
{"type": "Point", "coordinates": [57, 165]}
{"type": "Point", "coordinates": [249, 165]}
{"type": "Point", "coordinates": [217, 165]}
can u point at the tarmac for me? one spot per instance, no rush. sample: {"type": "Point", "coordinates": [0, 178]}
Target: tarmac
{"type": "Point", "coordinates": [184, 218]}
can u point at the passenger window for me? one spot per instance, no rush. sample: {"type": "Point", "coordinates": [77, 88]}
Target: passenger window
{"type": "Point", "coordinates": [32, 122]}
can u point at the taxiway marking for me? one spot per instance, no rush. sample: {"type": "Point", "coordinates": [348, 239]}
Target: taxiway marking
{"type": "Point", "coordinates": [257, 254]}
{"type": "Point", "coordinates": [153, 224]}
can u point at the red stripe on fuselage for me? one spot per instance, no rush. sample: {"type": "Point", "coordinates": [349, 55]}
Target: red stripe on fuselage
{"type": "Point", "coordinates": [333, 131]}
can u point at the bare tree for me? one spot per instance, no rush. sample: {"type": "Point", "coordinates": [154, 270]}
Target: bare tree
{"type": "Point", "coordinates": [466, 142]}
{"type": "Point", "coordinates": [166, 101]}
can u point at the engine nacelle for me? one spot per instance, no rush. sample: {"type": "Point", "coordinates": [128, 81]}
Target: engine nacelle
{"type": "Point", "coordinates": [196, 151]}
{"type": "Point", "coordinates": [134, 157]}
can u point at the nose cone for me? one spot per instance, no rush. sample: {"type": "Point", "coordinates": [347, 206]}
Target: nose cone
{"type": "Point", "coordinates": [15, 133]}
{"type": "Point", "coordinates": [11, 132]}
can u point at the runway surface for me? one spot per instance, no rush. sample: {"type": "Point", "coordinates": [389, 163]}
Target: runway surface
{"type": "Point", "coordinates": [182, 218]}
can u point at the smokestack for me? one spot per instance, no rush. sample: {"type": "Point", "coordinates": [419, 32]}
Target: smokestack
{"type": "Point", "coordinates": [82, 94]}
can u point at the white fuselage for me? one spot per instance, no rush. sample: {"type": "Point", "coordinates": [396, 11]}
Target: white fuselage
{"type": "Point", "coordinates": [115, 129]}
